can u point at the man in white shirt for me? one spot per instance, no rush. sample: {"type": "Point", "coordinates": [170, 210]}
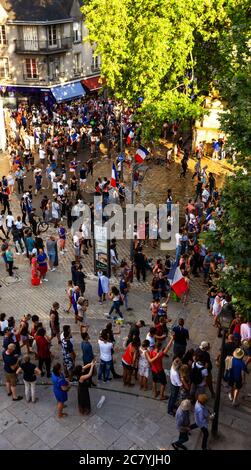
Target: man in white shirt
{"type": "Point", "coordinates": [205, 195]}
{"type": "Point", "coordinates": [246, 339]}
{"type": "Point", "coordinates": [55, 212]}
{"type": "Point", "coordinates": [9, 222]}
{"type": "Point", "coordinates": [76, 244]}
{"type": "Point", "coordinates": [105, 348]}
{"type": "Point", "coordinates": [52, 176]}
{"type": "Point", "coordinates": [42, 155]}
{"type": "Point", "coordinates": [1, 225]}
{"type": "Point", "coordinates": [178, 238]}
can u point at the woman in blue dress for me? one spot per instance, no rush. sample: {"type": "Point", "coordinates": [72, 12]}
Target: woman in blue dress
{"type": "Point", "coordinates": [60, 388]}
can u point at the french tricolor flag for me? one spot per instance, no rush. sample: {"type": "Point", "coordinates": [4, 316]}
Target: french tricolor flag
{"type": "Point", "coordinates": [141, 154]}
{"type": "Point", "coordinates": [177, 281]}
{"type": "Point", "coordinates": [129, 138]}
{"type": "Point", "coordinates": [114, 178]}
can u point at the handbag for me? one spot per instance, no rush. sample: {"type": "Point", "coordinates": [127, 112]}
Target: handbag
{"type": "Point", "coordinates": [121, 300]}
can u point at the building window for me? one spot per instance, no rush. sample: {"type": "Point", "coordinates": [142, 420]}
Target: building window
{"type": "Point", "coordinates": [95, 61]}
{"type": "Point", "coordinates": [52, 35]}
{"type": "Point", "coordinates": [31, 68]}
{"type": "Point", "coordinates": [3, 40]}
{"type": "Point", "coordinates": [4, 67]}
{"type": "Point", "coordinates": [77, 37]}
{"type": "Point", "coordinates": [77, 61]}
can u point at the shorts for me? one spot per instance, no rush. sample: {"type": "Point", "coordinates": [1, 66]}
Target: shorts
{"type": "Point", "coordinates": [11, 378]}
{"type": "Point", "coordinates": [82, 181]}
{"type": "Point", "coordinates": [52, 257]}
{"type": "Point", "coordinates": [160, 377]}
{"type": "Point", "coordinates": [236, 384]}
{"type": "Point", "coordinates": [24, 338]}
{"type": "Point", "coordinates": [43, 270]}
{"type": "Point", "coordinates": [127, 366]}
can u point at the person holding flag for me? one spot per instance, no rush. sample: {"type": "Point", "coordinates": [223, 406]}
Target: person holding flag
{"type": "Point", "coordinates": [114, 178]}
{"type": "Point", "coordinates": [141, 154]}
{"type": "Point", "coordinates": [179, 283]}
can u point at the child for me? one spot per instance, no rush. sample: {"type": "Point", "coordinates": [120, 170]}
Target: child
{"type": "Point", "coordinates": [62, 239]}
{"type": "Point", "coordinates": [144, 366]}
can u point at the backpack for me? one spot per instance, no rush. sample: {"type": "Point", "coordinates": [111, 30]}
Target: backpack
{"type": "Point", "coordinates": [196, 375]}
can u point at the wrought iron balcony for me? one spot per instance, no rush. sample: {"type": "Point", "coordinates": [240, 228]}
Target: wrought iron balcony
{"type": "Point", "coordinates": [42, 47]}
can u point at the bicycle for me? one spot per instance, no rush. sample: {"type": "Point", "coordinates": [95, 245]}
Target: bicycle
{"type": "Point", "coordinates": [42, 226]}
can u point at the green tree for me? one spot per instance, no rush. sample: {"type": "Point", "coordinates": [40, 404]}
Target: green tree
{"type": "Point", "coordinates": [232, 239]}
{"type": "Point", "coordinates": [147, 49]}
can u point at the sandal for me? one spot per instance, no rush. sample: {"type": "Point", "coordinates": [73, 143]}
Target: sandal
{"type": "Point", "coordinates": [9, 394]}
{"type": "Point", "coordinates": [62, 415]}
{"type": "Point", "coordinates": [164, 398]}
{"type": "Point", "coordinates": [18, 398]}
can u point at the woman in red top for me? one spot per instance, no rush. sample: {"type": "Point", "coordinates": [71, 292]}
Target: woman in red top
{"type": "Point", "coordinates": [43, 351]}
{"type": "Point", "coordinates": [155, 358]}
{"type": "Point", "coordinates": [129, 361]}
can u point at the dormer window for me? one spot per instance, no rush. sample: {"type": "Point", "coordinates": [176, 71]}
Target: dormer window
{"type": "Point", "coordinates": [77, 37]}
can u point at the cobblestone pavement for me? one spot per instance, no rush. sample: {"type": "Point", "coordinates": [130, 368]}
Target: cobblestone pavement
{"type": "Point", "coordinates": [128, 419]}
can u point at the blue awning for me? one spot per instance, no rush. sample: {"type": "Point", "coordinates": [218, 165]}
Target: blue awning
{"type": "Point", "coordinates": [68, 92]}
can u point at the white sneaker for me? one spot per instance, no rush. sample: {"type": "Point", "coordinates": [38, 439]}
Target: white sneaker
{"type": "Point", "coordinates": [45, 280]}
{"type": "Point", "coordinates": [53, 269]}
{"type": "Point", "coordinates": [230, 397]}
{"type": "Point", "coordinates": [18, 254]}
{"type": "Point", "coordinates": [62, 252]}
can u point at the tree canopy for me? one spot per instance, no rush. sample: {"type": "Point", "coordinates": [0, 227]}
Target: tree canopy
{"type": "Point", "coordinates": [148, 50]}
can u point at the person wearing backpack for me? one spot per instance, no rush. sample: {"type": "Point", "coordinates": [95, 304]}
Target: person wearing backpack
{"type": "Point", "coordinates": [199, 375]}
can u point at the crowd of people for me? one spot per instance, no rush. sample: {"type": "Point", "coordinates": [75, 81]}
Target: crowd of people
{"type": "Point", "coordinates": [57, 138]}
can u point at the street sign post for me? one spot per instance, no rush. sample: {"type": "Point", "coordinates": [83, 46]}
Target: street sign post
{"type": "Point", "coordinates": [101, 251]}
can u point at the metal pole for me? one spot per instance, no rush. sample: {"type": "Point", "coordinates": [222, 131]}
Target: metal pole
{"type": "Point", "coordinates": [132, 202]}
{"type": "Point", "coordinates": [109, 140]}
{"type": "Point", "coordinates": [214, 429]}
{"type": "Point", "coordinates": [121, 144]}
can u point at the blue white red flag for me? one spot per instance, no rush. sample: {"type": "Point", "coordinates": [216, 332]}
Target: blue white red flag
{"type": "Point", "coordinates": [141, 154]}
{"type": "Point", "coordinates": [114, 178]}
{"type": "Point", "coordinates": [177, 281]}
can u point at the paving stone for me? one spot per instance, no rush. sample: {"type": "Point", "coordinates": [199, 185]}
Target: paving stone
{"type": "Point", "coordinates": [6, 420]}
{"type": "Point", "coordinates": [28, 418]}
{"type": "Point", "coordinates": [66, 444]}
{"type": "Point", "coordinates": [39, 445]}
{"type": "Point", "coordinates": [20, 436]}
{"type": "Point", "coordinates": [139, 429]}
{"type": "Point", "coordinates": [5, 444]}
{"type": "Point", "coordinates": [85, 440]}
{"type": "Point", "coordinates": [123, 443]}
{"type": "Point", "coordinates": [115, 415]}
{"type": "Point", "coordinates": [51, 432]}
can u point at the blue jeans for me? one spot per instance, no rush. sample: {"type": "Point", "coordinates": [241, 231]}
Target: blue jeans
{"type": "Point", "coordinates": [104, 369]}
{"type": "Point", "coordinates": [126, 300]}
{"type": "Point", "coordinates": [173, 398]}
{"type": "Point", "coordinates": [178, 252]}
{"type": "Point", "coordinates": [183, 437]}
{"type": "Point", "coordinates": [116, 306]}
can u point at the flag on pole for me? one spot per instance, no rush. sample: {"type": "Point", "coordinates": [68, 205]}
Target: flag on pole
{"type": "Point", "coordinates": [114, 178]}
{"type": "Point", "coordinates": [130, 137]}
{"type": "Point", "coordinates": [177, 280]}
{"type": "Point", "coordinates": [141, 154]}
